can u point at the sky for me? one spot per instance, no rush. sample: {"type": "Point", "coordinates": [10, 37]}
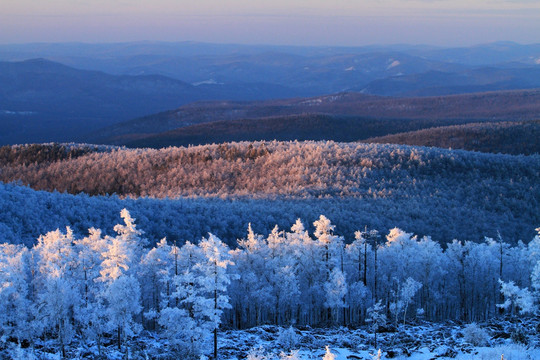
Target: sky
{"type": "Point", "coordinates": [280, 22]}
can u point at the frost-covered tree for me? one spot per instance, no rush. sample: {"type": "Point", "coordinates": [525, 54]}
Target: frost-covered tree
{"type": "Point", "coordinates": [56, 306]}
{"type": "Point", "coordinates": [404, 297]}
{"type": "Point", "coordinates": [357, 254]}
{"type": "Point", "coordinates": [91, 315]}
{"type": "Point", "coordinates": [333, 250]}
{"type": "Point", "coordinates": [123, 297]}
{"type": "Point", "coordinates": [182, 331]}
{"type": "Point", "coordinates": [89, 257]}
{"type": "Point", "coordinates": [157, 270]}
{"type": "Point", "coordinates": [358, 250]}
{"type": "Point", "coordinates": [15, 307]}
{"type": "Point", "coordinates": [281, 275]}
{"type": "Point", "coordinates": [121, 294]}
{"type": "Point", "coordinates": [251, 291]}
{"type": "Point", "coordinates": [57, 296]}
{"type": "Point", "coordinates": [534, 248]}
{"type": "Point", "coordinates": [516, 298]}
{"type": "Point", "coordinates": [215, 279]}
{"type": "Point", "coordinates": [117, 260]}
{"type": "Point", "coordinates": [287, 339]}
{"type": "Point", "coordinates": [124, 251]}
{"type": "Point", "coordinates": [332, 244]}
{"type": "Point", "coordinates": [308, 258]}
{"type": "Point", "coordinates": [187, 318]}
{"type": "Point", "coordinates": [376, 316]}
{"type": "Point", "coordinates": [336, 289]}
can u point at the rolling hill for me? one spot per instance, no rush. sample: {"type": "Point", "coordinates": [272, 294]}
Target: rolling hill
{"type": "Point", "coordinates": [183, 193]}
{"type": "Point", "coordinates": [505, 137]}
{"type": "Point", "coordinates": [76, 90]}
{"type": "Point", "coordinates": [282, 119]}
{"type": "Point", "coordinates": [283, 128]}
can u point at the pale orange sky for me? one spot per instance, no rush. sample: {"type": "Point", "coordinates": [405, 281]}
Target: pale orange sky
{"type": "Point", "coordinates": [295, 22]}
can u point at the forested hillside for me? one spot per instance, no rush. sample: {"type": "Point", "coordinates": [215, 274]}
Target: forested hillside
{"type": "Point", "coordinates": [385, 112]}
{"type": "Point", "coordinates": [448, 194]}
{"type": "Point", "coordinates": [282, 128]}
{"type": "Point", "coordinates": [505, 137]}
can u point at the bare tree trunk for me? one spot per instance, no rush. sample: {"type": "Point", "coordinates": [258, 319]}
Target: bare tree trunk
{"type": "Point", "coordinates": [119, 339]}
{"type": "Point", "coordinates": [215, 308]}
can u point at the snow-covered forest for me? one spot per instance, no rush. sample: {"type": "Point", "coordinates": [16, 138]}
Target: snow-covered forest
{"type": "Point", "coordinates": [180, 252]}
{"type": "Point", "coordinates": [100, 289]}
{"type": "Point", "coordinates": [184, 193]}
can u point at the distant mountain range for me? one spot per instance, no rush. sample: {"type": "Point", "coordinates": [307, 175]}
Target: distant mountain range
{"type": "Point", "coordinates": [446, 83]}
{"type": "Point", "coordinates": [91, 92]}
{"type": "Point", "coordinates": [42, 100]}
{"type": "Point", "coordinates": [307, 71]}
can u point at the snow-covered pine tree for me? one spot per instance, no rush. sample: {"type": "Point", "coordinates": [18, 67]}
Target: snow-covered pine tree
{"type": "Point", "coordinates": [123, 303]}
{"type": "Point", "coordinates": [122, 294]}
{"type": "Point", "coordinates": [376, 316]}
{"type": "Point", "coordinates": [15, 307]}
{"type": "Point", "coordinates": [57, 293]}
{"type": "Point", "coordinates": [157, 271]}
{"type": "Point", "coordinates": [336, 289]}
{"type": "Point", "coordinates": [187, 325]}
{"type": "Point", "coordinates": [251, 290]}
{"type": "Point", "coordinates": [215, 279]}
{"type": "Point", "coordinates": [333, 250]}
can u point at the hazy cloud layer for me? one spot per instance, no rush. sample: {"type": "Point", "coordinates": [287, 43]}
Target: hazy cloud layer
{"type": "Point", "coordinates": [315, 22]}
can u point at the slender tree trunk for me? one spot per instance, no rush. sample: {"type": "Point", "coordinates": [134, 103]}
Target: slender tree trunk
{"type": "Point", "coordinates": [61, 339]}
{"type": "Point", "coordinates": [119, 339]}
{"type": "Point", "coordinates": [365, 263]}
{"type": "Point", "coordinates": [99, 344]}
{"type": "Point", "coordinates": [375, 287]}
{"type": "Point", "coordinates": [501, 296]}
{"type": "Point", "coordinates": [215, 309]}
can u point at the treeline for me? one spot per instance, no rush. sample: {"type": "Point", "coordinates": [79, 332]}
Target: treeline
{"type": "Point", "coordinates": [24, 155]}
{"type": "Point", "coordinates": [504, 137]}
{"type": "Point", "coordinates": [449, 194]}
{"type": "Point", "coordinates": [283, 128]}
{"type": "Point", "coordinates": [102, 286]}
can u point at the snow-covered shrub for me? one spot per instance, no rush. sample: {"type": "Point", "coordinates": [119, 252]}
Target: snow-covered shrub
{"type": "Point", "coordinates": [519, 336]}
{"type": "Point", "coordinates": [308, 340]}
{"type": "Point", "coordinates": [288, 339]}
{"type": "Point", "coordinates": [293, 355]}
{"type": "Point", "coordinates": [475, 335]}
{"type": "Point", "coordinates": [257, 354]}
{"type": "Point", "coordinates": [260, 354]}
{"type": "Point", "coordinates": [17, 353]}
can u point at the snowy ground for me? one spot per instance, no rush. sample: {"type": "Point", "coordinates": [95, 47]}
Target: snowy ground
{"type": "Point", "coordinates": [515, 340]}
{"type": "Point", "coordinates": [518, 339]}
